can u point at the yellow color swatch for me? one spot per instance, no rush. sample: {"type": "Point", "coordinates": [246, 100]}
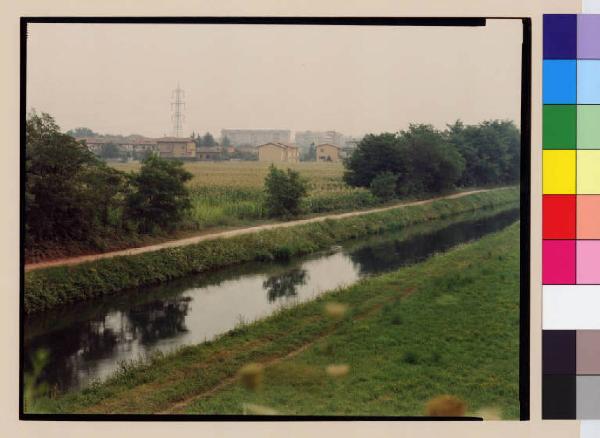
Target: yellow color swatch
{"type": "Point", "coordinates": [588, 172]}
{"type": "Point", "coordinates": [559, 172]}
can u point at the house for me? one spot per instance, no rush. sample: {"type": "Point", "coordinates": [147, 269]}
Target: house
{"type": "Point", "coordinates": [212, 153]}
{"type": "Point", "coordinates": [278, 152]}
{"type": "Point", "coordinates": [328, 152]}
{"type": "Point", "coordinates": [171, 147]}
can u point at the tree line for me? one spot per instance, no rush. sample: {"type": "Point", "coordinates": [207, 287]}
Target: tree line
{"type": "Point", "coordinates": [423, 160]}
{"type": "Point", "coordinates": [73, 196]}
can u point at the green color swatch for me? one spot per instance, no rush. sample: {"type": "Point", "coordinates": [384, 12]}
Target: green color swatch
{"type": "Point", "coordinates": [588, 127]}
{"type": "Point", "coordinates": [560, 127]}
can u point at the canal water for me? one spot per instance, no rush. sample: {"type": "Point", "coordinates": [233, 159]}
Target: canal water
{"type": "Point", "coordinates": [87, 342]}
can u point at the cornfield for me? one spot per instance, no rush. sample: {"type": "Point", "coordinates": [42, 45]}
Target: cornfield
{"type": "Point", "coordinates": [231, 192]}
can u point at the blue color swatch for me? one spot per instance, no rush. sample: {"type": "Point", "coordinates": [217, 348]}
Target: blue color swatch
{"type": "Point", "coordinates": [560, 81]}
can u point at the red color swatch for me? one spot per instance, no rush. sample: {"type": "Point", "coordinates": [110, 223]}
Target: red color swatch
{"type": "Point", "coordinates": [558, 262]}
{"type": "Point", "coordinates": [559, 216]}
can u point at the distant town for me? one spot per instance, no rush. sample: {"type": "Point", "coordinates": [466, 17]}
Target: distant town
{"type": "Point", "coordinates": [273, 145]}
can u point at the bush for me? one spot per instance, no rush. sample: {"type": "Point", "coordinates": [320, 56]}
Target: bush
{"type": "Point", "coordinates": [383, 186]}
{"type": "Point", "coordinates": [159, 197]}
{"type": "Point", "coordinates": [284, 192]}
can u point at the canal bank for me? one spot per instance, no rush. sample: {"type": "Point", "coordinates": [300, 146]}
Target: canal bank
{"type": "Point", "coordinates": [446, 325]}
{"type": "Point", "coordinates": [58, 286]}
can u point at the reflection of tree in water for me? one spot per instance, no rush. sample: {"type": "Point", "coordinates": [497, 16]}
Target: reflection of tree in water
{"type": "Point", "coordinates": [386, 256]}
{"type": "Point", "coordinates": [284, 285]}
{"type": "Point", "coordinates": [159, 319]}
{"type": "Point", "coordinates": [70, 348]}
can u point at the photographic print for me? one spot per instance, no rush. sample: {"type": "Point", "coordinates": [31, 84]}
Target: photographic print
{"type": "Point", "coordinates": [275, 218]}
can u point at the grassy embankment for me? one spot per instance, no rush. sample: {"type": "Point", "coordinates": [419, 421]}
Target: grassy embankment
{"type": "Point", "coordinates": [52, 287]}
{"type": "Point", "coordinates": [449, 325]}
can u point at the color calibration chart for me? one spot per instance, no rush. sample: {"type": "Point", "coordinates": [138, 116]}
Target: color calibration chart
{"type": "Point", "coordinates": [571, 217]}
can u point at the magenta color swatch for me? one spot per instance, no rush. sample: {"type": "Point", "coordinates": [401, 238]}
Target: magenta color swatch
{"type": "Point", "coordinates": [588, 36]}
{"type": "Point", "coordinates": [588, 262]}
{"type": "Point", "coordinates": [558, 262]}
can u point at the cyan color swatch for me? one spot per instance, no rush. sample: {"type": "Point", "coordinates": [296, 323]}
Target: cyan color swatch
{"type": "Point", "coordinates": [560, 81]}
{"type": "Point", "coordinates": [588, 82]}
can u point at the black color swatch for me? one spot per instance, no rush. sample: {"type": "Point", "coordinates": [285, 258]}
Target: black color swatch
{"type": "Point", "coordinates": [559, 397]}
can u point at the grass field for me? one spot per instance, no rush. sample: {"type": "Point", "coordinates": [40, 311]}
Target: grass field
{"type": "Point", "coordinates": [449, 325]}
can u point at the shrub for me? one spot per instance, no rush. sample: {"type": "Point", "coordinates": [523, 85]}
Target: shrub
{"type": "Point", "coordinates": [284, 191]}
{"type": "Point", "coordinates": [383, 186]}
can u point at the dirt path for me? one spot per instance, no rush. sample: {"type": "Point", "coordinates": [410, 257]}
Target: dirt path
{"type": "Point", "coordinates": [196, 239]}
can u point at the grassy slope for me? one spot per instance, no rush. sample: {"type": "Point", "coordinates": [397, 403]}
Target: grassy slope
{"type": "Point", "coordinates": [448, 325]}
{"type": "Point", "coordinates": [53, 287]}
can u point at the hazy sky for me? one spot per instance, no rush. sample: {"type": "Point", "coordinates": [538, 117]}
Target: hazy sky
{"type": "Point", "coordinates": [118, 79]}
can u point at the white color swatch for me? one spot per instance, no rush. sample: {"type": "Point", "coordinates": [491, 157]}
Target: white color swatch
{"type": "Point", "coordinates": [571, 307]}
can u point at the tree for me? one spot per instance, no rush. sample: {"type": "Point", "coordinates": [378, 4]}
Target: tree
{"type": "Point", "coordinates": [434, 164]}
{"type": "Point", "coordinates": [82, 132]}
{"type": "Point", "coordinates": [225, 142]}
{"type": "Point", "coordinates": [159, 197]}
{"type": "Point", "coordinates": [208, 140]}
{"type": "Point", "coordinates": [110, 150]}
{"type": "Point", "coordinates": [284, 192]}
{"type": "Point", "coordinates": [68, 191]}
{"type": "Point", "coordinates": [383, 186]}
{"type": "Point", "coordinates": [375, 154]}
{"type": "Point", "coordinates": [491, 151]}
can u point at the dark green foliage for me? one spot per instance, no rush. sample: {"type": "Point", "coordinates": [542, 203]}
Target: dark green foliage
{"type": "Point", "coordinates": [159, 197]}
{"type": "Point", "coordinates": [375, 154]}
{"type": "Point", "coordinates": [491, 150]}
{"type": "Point", "coordinates": [434, 165]}
{"type": "Point", "coordinates": [52, 287]}
{"type": "Point", "coordinates": [383, 186]}
{"type": "Point", "coordinates": [427, 161]}
{"type": "Point", "coordinates": [226, 142]}
{"type": "Point", "coordinates": [70, 194]}
{"type": "Point", "coordinates": [284, 192]}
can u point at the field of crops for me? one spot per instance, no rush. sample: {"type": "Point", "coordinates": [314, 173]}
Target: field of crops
{"type": "Point", "coordinates": [231, 193]}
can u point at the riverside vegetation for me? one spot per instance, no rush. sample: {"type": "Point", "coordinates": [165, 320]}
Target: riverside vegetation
{"type": "Point", "coordinates": [384, 346]}
{"type": "Point", "coordinates": [77, 204]}
{"type": "Point", "coordinates": [56, 286]}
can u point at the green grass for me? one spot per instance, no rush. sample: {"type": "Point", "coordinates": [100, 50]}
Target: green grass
{"type": "Point", "coordinates": [57, 286]}
{"type": "Point", "coordinates": [449, 325]}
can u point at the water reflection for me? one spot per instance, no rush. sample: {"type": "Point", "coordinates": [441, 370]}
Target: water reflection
{"type": "Point", "coordinates": [87, 341]}
{"type": "Point", "coordinates": [284, 285]}
{"type": "Point", "coordinates": [159, 319]}
{"type": "Point", "coordinates": [391, 253]}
